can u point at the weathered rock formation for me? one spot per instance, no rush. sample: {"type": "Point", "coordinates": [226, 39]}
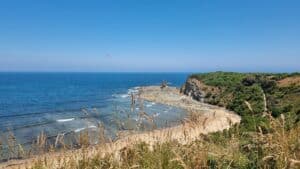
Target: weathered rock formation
{"type": "Point", "coordinates": [192, 88]}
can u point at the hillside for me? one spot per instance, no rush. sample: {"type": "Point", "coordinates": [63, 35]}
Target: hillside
{"type": "Point", "coordinates": [248, 93]}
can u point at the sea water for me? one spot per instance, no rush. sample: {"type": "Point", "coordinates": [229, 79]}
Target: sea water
{"type": "Point", "coordinates": [62, 103]}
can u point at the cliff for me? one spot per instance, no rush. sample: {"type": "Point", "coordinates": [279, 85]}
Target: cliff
{"type": "Point", "coordinates": [198, 90]}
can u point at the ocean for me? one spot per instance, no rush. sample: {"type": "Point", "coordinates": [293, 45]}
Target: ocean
{"type": "Point", "coordinates": [62, 103]}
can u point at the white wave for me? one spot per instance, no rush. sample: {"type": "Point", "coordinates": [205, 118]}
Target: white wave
{"type": "Point", "coordinates": [124, 95]}
{"type": "Point", "coordinates": [149, 105]}
{"type": "Point", "coordinates": [156, 114]}
{"type": "Point", "coordinates": [92, 127]}
{"type": "Point", "coordinates": [79, 129]}
{"type": "Point", "coordinates": [83, 128]}
{"type": "Point", "coordinates": [133, 90]}
{"type": "Point", "coordinates": [65, 120]}
{"type": "Point", "coordinates": [130, 91]}
{"type": "Point", "coordinates": [137, 108]}
{"type": "Point", "coordinates": [153, 103]}
{"type": "Point", "coordinates": [120, 95]}
{"type": "Point", "coordinates": [137, 87]}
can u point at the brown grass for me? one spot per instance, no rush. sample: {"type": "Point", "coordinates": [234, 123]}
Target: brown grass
{"type": "Point", "coordinates": [289, 81]}
{"type": "Point", "coordinates": [279, 148]}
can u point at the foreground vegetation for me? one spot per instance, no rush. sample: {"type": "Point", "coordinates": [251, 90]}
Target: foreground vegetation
{"type": "Point", "coordinates": [268, 136]}
{"type": "Point", "coordinates": [279, 148]}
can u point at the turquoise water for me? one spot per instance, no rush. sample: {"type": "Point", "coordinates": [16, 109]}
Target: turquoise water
{"type": "Point", "coordinates": [62, 103]}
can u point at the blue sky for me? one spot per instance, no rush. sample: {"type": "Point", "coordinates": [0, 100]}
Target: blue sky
{"type": "Point", "coordinates": [149, 35]}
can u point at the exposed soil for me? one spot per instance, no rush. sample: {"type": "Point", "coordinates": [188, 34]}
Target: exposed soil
{"type": "Point", "coordinates": [289, 81]}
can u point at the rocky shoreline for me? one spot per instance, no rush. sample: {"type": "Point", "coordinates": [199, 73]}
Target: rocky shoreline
{"type": "Point", "coordinates": [174, 97]}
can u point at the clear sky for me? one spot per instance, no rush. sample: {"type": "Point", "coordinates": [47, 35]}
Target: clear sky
{"type": "Point", "coordinates": [150, 35]}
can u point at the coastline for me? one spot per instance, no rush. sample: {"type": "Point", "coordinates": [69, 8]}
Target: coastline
{"type": "Point", "coordinates": [210, 119]}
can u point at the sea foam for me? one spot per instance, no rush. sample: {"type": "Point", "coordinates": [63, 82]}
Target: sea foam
{"type": "Point", "coordinates": [83, 128]}
{"type": "Point", "coordinates": [65, 120]}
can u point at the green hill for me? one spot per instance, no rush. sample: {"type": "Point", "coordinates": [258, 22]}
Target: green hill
{"type": "Point", "coordinates": [249, 94]}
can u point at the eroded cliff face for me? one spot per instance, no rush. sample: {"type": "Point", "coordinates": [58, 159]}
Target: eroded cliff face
{"type": "Point", "coordinates": [198, 90]}
{"type": "Point", "coordinates": [193, 88]}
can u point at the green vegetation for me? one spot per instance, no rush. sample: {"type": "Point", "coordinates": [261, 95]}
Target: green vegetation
{"type": "Point", "coordinates": [244, 93]}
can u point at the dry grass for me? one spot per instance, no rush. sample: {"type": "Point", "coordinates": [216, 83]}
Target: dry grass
{"type": "Point", "coordinates": [280, 148]}
{"type": "Point", "coordinates": [277, 148]}
{"type": "Point", "coordinates": [289, 81]}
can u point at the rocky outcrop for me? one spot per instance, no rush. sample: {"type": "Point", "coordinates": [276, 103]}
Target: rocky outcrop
{"type": "Point", "coordinates": [192, 88]}
{"type": "Point", "coordinates": [199, 91]}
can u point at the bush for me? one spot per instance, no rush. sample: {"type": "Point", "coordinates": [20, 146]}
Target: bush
{"type": "Point", "coordinates": [249, 80]}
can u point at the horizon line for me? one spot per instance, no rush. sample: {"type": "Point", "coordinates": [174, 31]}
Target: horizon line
{"type": "Point", "coordinates": [140, 72]}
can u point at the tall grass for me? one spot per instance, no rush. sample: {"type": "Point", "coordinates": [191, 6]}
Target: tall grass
{"type": "Point", "coordinates": [274, 146]}
{"type": "Point", "coordinates": [277, 147]}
